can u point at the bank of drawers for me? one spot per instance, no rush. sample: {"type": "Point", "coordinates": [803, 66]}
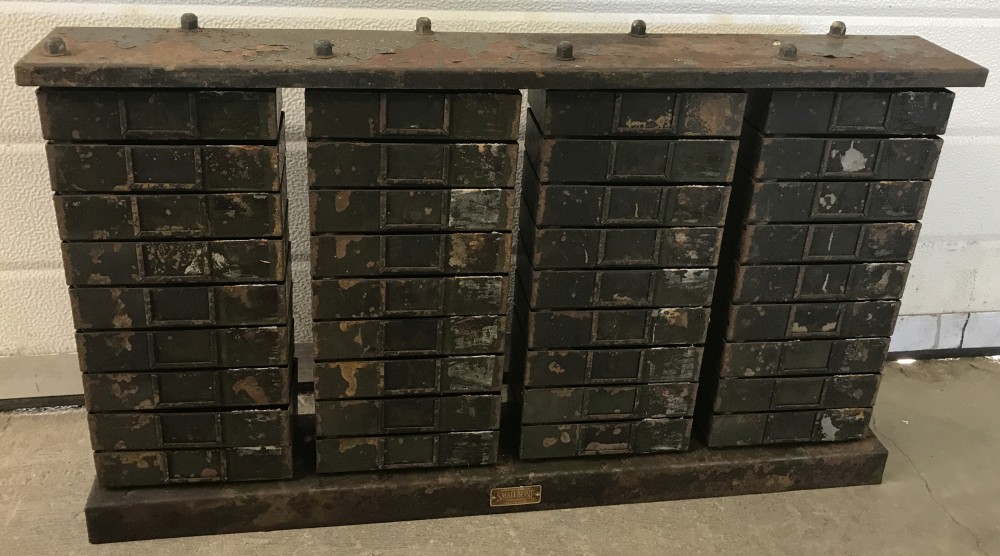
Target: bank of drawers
{"type": "Point", "coordinates": [626, 195]}
{"type": "Point", "coordinates": [826, 211]}
{"type": "Point", "coordinates": [171, 207]}
{"type": "Point", "coordinates": [412, 207]}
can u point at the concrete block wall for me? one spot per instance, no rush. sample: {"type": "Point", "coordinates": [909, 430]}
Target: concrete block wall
{"type": "Point", "coordinates": [953, 295]}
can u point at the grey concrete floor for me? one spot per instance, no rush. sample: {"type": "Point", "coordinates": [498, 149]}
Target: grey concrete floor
{"type": "Point", "coordinates": [941, 495]}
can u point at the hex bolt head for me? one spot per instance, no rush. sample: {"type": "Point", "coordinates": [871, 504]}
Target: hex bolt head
{"type": "Point", "coordinates": [424, 26]}
{"type": "Point", "coordinates": [189, 22]}
{"type": "Point", "coordinates": [638, 28]}
{"type": "Point", "coordinates": [564, 51]}
{"type": "Point", "coordinates": [55, 46]}
{"type": "Point", "coordinates": [788, 52]}
{"type": "Point", "coordinates": [838, 29]}
{"type": "Point", "coordinates": [323, 49]}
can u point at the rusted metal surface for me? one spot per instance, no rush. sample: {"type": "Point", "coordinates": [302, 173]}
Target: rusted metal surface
{"type": "Point", "coordinates": [819, 282]}
{"type": "Point", "coordinates": [137, 308]}
{"type": "Point", "coordinates": [612, 366]}
{"type": "Point", "coordinates": [821, 158]}
{"type": "Point", "coordinates": [138, 115]}
{"type": "Point", "coordinates": [432, 210]}
{"type": "Point", "coordinates": [343, 255]}
{"type": "Point", "coordinates": [183, 348]}
{"type": "Point", "coordinates": [312, 501]}
{"type": "Point", "coordinates": [399, 337]}
{"type": "Point", "coordinates": [150, 391]}
{"type": "Point", "coordinates": [788, 427]}
{"type": "Point", "coordinates": [608, 403]}
{"type": "Point", "coordinates": [128, 217]}
{"type": "Point", "coordinates": [371, 453]}
{"type": "Point", "coordinates": [617, 327]}
{"type": "Point", "coordinates": [746, 395]}
{"type": "Point", "coordinates": [791, 321]}
{"type": "Point", "coordinates": [843, 242]}
{"type": "Point", "coordinates": [456, 116]}
{"type": "Point", "coordinates": [800, 357]}
{"type": "Point", "coordinates": [646, 436]}
{"type": "Point", "coordinates": [97, 168]}
{"type": "Point", "coordinates": [249, 58]}
{"type": "Point", "coordinates": [123, 470]}
{"type": "Point", "coordinates": [174, 262]}
{"type": "Point", "coordinates": [368, 417]}
{"type": "Point", "coordinates": [572, 248]}
{"type": "Point", "coordinates": [582, 289]}
{"type": "Point", "coordinates": [171, 430]}
{"type": "Point", "coordinates": [880, 201]}
{"type": "Point", "coordinates": [639, 114]}
{"type": "Point", "coordinates": [409, 297]}
{"type": "Point", "coordinates": [413, 376]}
{"type": "Point", "coordinates": [818, 113]}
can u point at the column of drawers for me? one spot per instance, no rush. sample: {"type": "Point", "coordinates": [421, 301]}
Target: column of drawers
{"type": "Point", "coordinates": [825, 217]}
{"type": "Point", "coordinates": [626, 194]}
{"type": "Point", "coordinates": [412, 207]}
{"type": "Point", "coordinates": [172, 212]}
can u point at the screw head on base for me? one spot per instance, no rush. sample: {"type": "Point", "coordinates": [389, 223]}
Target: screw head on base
{"type": "Point", "coordinates": [424, 26]}
{"type": "Point", "coordinates": [564, 51]}
{"type": "Point", "coordinates": [788, 52]}
{"type": "Point", "coordinates": [55, 46]}
{"type": "Point", "coordinates": [638, 28]}
{"type": "Point", "coordinates": [189, 22]}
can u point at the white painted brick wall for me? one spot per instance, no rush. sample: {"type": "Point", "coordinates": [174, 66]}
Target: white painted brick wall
{"type": "Point", "coordinates": [956, 269]}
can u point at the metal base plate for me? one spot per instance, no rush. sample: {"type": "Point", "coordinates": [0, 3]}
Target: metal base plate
{"type": "Point", "coordinates": [310, 500]}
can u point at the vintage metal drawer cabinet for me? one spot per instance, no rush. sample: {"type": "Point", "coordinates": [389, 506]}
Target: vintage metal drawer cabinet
{"type": "Point", "coordinates": [412, 211]}
{"type": "Point", "coordinates": [626, 195]}
{"type": "Point", "coordinates": [825, 217]}
{"type": "Point", "coordinates": [171, 206]}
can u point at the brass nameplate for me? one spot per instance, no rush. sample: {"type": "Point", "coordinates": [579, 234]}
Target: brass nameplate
{"type": "Point", "coordinates": [516, 496]}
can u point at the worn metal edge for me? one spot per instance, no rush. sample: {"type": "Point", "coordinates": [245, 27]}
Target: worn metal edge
{"type": "Point", "coordinates": [320, 501]}
{"type": "Point", "coordinates": [103, 57]}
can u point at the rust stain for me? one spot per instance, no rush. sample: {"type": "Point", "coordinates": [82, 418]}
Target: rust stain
{"type": "Point", "coordinates": [248, 385]}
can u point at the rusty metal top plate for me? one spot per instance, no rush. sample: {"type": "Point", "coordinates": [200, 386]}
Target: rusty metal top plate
{"type": "Point", "coordinates": [132, 57]}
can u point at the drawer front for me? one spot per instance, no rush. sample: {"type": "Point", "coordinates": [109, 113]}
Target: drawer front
{"type": "Point", "coordinates": [862, 158]}
{"type": "Point", "coordinates": [802, 357]}
{"type": "Point", "coordinates": [442, 210]}
{"type": "Point", "coordinates": [582, 206]}
{"type": "Point", "coordinates": [607, 403]}
{"type": "Point", "coordinates": [811, 320]}
{"type": "Point", "coordinates": [885, 201]}
{"type": "Point", "coordinates": [623, 248]}
{"type": "Point", "coordinates": [463, 165]}
{"type": "Point", "coordinates": [375, 255]}
{"type": "Point", "coordinates": [807, 243]}
{"type": "Point", "coordinates": [137, 114]}
{"type": "Point", "coordinates": [456, 449]}
{"type": "Point", "coordinates": [364, 339]}
{"type": "Point", "coordinates": [829, 425]}
{"type": "Point", "coordinates": [130, 217]}
{"type": "Point", "coordinates": [202, 348]}
{"type": "Point", "coordinates": [493, 116]}
{"type": "Point", "coordinates": [110, 392]}
{"type": "Point", "coordinates": [168, 467]}
{"type": "Point", "coordinates": [408, 377]}
{"type": "Point", "coordinates": [819, 282]}
{"type": "Point", "coordinates": [612, 366]}
{"type": "Point", "coordinates": [414, 297]}
{"type": "Point", "coordinates": [593, 439]}
{"type": "Point", "coordinates": [664, 161]}
{"type": "Point", "coordinates": [634, 113]}
{"type": "Point", "coordinates": [583, 289]}
{"type": "Point", "coordinates": [854, 112]}
{"type": "Point", "coordinates": [744, 395]}
{"type": "Point", "coordinates": [123, 168]}
{"type": "Point", "coordinates": [134, 308]}
{"type": "Point", "coordinates": [337, 418]}
{"type": "Point", "coordinates": [226, 429]}
{"type": "Point", "coordinates": [174, 262]}
{"type": "Point", "coordinates": [571, 329]}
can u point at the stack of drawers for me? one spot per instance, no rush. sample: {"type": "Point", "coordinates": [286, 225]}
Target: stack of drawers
{"type": "Point", "coordinates": [171, 207]}
{"type": "Point", "coordinates": [626, 196]}
{"type": "Point", "coordinates": [412, 206]}
{"type": "Point", "coordinates": [823, 223]}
